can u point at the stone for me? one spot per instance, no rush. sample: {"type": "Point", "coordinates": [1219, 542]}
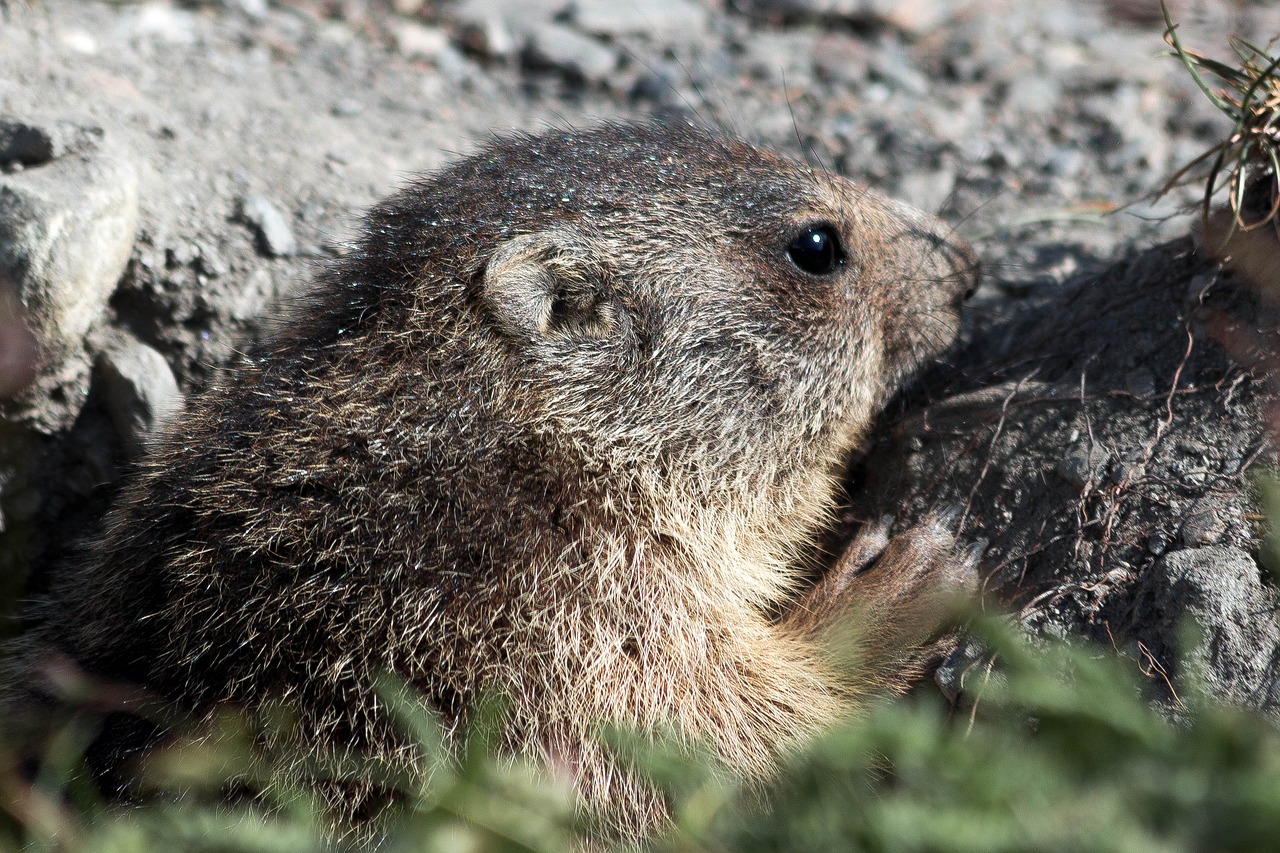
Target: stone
{"type": "Point", "coordinates": [1157, 543]}
{"type": "Point", "coordinates": [1140, 382]}
{"type": "Point", "coordinates": [344, 107]}
{"type": "Point", "coordinates": [663, 20]}
{"type": "Point", "coordinates": [25, 143]}
{"type": "Point", "coordinates": [1222, 590]}
{"type": "Point", "coordinates": [79, 41]}
{"type": "Point", "coordinates": [408, 8]}
{"type": "Point", "coordinates": [915, 16]}
{"type": "Point", "coordinates": [489, 36]}
{"type": "Point", "coordinates": [67, 227]}
{"type": "Point", "coordinates": [911, 16]}
{"type": "Point", "coordinates": [1065, 162]}
{"type": "Point", "coordinates": [163, 22]}
{"type": "Point", "coordinates": [966, 671]}
{"type": "Point", "coordinates": [894, 66]}
{"type": "Point", "coordinates": [782, 55]}
{"type": "Point", "coordinates": [509, 22]}
{"type": "Point", "coordinates": [140, 392]}
{"type": "Point", "coordinates": [1033, 95]}
{"type": "Point", "coordinates": [275, 235]}
{"type": "Point", "coordinates": [566, 49]}
{"type": "Point", "coordinates": [1203, 528]}
{"type": "Point", "coordinates": [1083, 464]}
{"type": "Point", "coordinates": [256, 10]}
{"type": "Point", "coordinates": [418, 41]}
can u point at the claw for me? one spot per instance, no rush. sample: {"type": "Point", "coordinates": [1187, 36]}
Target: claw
{"type": "Point", "coordinates": [867, 546]}
{"type": "Point", "coordinates": [947, 518]}
{"type": "Point", "coordinates": [972, 555]}
{"type": "Point", "coordinates": [964, 573]}
{"type": "Point", "coordinates": [881, 526]}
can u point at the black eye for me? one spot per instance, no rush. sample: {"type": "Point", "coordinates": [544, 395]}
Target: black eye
{"type": "Point", "coordinates": [817, 250]}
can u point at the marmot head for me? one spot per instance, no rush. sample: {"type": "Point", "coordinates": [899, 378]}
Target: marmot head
{"type": "Point", "coordinates": [687, 312]}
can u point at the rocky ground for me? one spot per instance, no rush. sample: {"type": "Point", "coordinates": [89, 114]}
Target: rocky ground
{"type": "Point", "coordinates": [173, 171]}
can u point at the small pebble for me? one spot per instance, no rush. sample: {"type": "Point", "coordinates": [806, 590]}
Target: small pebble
{"type": "Point", "coordinates": [1203, 528]}
{"type": "Point", "coordinates": [1083, 464]}
{"type": "Point", "coordinates": [275, 236]}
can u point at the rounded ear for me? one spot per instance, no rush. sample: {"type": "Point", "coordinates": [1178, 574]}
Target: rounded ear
{"type": "Point", "coordinates": [550, 284]}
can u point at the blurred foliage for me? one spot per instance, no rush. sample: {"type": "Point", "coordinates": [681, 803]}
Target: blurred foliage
{"type": "Point", "coordinates": [1266, 491]}
{"type": "Point", "coordinates": [1057, 749]}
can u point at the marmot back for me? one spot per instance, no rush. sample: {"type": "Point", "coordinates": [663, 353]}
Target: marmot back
{"type": "Point", "coordinates": [564, 427]}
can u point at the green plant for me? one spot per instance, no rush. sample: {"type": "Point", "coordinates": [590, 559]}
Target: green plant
{"type": "Point", "coordinates": [1059, 750]}
{"type": "Point", "coordinates": [1250, 156]}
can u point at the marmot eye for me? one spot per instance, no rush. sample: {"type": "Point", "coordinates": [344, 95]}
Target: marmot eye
{"type": "Point", "coordinates": [817, 250]}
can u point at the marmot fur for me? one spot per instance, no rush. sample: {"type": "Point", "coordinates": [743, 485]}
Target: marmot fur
{"type": "Point", "coordinates": [565, 427]}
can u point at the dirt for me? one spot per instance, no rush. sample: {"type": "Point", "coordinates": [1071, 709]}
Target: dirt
{"type": "Point", "coordinates": [1092, 426]}
{"type": "Point", "coordinates": [1103, 441]}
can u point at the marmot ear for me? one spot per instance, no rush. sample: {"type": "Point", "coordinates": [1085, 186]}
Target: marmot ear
{"type": "Point", "coordinates": [548, 284]}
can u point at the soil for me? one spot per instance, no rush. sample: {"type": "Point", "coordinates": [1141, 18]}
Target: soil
{"type": "Point", "coordinates": [181, 169]}
{"type": "Point", "coordinates": [1102, 440]}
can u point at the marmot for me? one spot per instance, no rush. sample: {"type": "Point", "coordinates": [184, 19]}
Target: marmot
{"type": "Point", "coordinates": [565, 426]}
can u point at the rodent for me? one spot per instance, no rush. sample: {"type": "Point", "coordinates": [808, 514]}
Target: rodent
{"type": "Point", "coordinates": [563, 426]}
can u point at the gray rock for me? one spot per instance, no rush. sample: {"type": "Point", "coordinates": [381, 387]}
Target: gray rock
{"type": "Point", "coordinates": [915, 16]}
{"type": "Point", "coordinates": [275, 236]}
{"type": "Point", "coordinates": [419, 41]}
{"type": "Point", "coordinates": [509, 23]}
{"type": "Point", "coordinates": [1203, 528]}
{"type": "Point", "coordinates": [566, 49]}
{"type": "Point", "coordinates": [961, 122]}
{"type": "Point", "coordinates": [664, 20]}
{"type": "Point", "coordinates": [66, 232]}
{"type": "Point", "coordinates": [1140, 382]}
{"type": "Point", "coordinates": [1157, 543]}
{"type": "Point", "coordinates": [163, 23]}
{"type": "Point", "coordinates": [911, 16]}
{"type": "Point", "coordinates": [36, 143]}
{"type": "Point", "coordinates": [490, 36]}
{"type": "Point", "coordinates": [454, 65]}
{"type": "Point", "coordinates": [967, 670]}
{"type": "Point", "coordinates": [255, 9]}
{"type": "Point", "coordinates": [140, 391]}
{"type": "Point", "coordinates": [1083, 464]}
{"type": "Point", "coordinates": [1065, 162]}
{"type": "Point", "coordinates": [347, 107]}
{"type": "Point", "coordinates": [1118, 53]}
{"type": "Point", "coordinates": [1222, 590]}
{"type": "Point", "coordinates": [893, 65]}
{"type": "Point", "coordinates": [209, 262]}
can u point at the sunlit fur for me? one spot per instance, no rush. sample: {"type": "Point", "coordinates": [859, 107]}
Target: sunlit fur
{"type": "Point", "coordinates": [563, 427]}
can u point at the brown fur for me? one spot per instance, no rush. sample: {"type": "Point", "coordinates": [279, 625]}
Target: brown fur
{"type": "Point", "coordinates": [565, 428]}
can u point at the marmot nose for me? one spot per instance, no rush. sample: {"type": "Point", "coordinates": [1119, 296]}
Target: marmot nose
{"type": "Point", "coordinates": [940, 258]}
{"type": "Point", "coordinates": [956, 264]}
